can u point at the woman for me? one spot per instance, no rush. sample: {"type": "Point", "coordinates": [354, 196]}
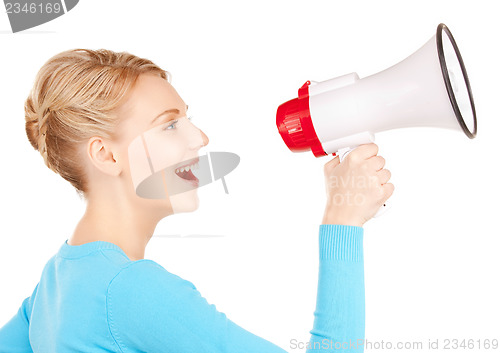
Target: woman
{"type": "Point", "coordinates": [86, 112]}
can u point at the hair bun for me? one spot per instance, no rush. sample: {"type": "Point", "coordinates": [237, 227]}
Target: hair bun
{"type": "Point", "coordinates": [32, 123]}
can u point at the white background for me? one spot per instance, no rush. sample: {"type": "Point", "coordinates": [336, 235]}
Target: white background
{"type": "Point", "coordinates": [431, 262]}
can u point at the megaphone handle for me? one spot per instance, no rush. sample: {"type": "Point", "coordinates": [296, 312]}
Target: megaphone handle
{"type": "Point", "coordinates": [342, 153]}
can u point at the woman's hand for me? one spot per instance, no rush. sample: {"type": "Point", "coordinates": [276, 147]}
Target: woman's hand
{"type": "Point", "coordinates": [357, 187]}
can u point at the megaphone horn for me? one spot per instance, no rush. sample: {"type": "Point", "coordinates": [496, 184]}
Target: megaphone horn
{"type": "Point", "coordinates": [429, 88]}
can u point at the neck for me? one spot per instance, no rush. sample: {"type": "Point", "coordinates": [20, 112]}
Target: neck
{"type": "Point", "coordinates": [115, 221]}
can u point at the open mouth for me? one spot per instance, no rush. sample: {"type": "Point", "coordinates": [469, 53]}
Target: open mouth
{"type": "Point", "coordinates": [186, 172]}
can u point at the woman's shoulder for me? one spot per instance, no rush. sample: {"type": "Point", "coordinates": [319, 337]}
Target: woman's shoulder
{"type": "Point", "coordinates": [142, 290]}
{"type": "Point", "coordinates": [146, 275]}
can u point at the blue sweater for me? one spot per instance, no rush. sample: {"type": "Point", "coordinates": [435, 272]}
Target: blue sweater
{"type": "Point", "coordinates": [93, 298]}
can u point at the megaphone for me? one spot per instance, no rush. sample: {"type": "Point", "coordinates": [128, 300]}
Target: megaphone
{"type": "Point", "coordinates": [430, 88]}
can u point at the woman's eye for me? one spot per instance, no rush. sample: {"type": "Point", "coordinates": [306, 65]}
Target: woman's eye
{"type": "Point", "coordinates": [171, 126]}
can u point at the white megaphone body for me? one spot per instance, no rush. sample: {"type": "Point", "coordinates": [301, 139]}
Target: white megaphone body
{"type": "Point", "coordinates": [430, 88]}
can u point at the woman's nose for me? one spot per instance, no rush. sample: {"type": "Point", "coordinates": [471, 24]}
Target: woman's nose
{"type": "Point", "coordinates": [201, 140]}
{"type": "Point", "coordinates": [205, 138]}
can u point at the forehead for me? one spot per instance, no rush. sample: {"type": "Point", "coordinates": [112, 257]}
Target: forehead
{"type": "Point", "coordinates": [150, 96]}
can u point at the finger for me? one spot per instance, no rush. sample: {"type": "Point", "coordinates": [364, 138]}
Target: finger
{"type": "Point", "coordinates": [383, 176]}
{"type": "Point", "coordinates": [376, 162]}
{"type": "Point", "coordinates": [388, 190]}
{"type": "Point", "coordinates": [332, 163]}
{"type": "Point", "coordinates": [363, 152]}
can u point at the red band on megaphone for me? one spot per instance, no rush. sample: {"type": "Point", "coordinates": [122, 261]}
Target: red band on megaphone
{"type": "Point", "coordinates": [293, 119]}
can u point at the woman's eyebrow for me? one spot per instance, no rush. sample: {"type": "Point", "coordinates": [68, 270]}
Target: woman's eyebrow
{"type": "Point", "coordinates": [168, 111]}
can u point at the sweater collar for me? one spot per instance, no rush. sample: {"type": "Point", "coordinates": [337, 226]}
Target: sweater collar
{"type": "Point", "coordinates": [76, 251]}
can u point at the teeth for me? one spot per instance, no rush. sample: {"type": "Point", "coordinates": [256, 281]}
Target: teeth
{"type": "Point", "coordinates": [187, 168]}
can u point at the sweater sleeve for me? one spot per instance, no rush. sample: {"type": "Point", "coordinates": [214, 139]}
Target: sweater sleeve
{"type": "Point", "coordinates": [339, 318]}
{"type": "Point", "coordinates": [14, 335]}
{"type": "Point", "coordinates": [150, 309]}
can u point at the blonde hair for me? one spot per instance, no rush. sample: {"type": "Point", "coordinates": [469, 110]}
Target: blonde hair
{"type": "Point", "coordinates": [74, 97]}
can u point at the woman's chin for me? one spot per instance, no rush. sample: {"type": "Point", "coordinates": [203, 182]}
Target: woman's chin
{"type": "Point", "coordinates": [185, 202]}
{"type": "Point", "coordinates": [182, 202]}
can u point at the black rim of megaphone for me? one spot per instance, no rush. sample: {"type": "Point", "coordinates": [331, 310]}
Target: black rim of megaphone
{"type": "Point", "coordinates": [442, 27]}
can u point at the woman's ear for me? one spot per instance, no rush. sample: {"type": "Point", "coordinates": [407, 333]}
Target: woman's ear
{"type": "Point", "coordinates": [101, 156]}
